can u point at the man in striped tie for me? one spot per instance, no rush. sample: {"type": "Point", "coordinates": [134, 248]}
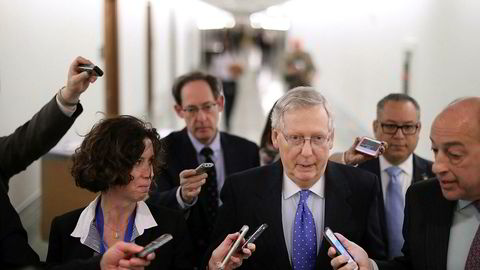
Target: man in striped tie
{"type": "Point", "coordinates": [442, 219]}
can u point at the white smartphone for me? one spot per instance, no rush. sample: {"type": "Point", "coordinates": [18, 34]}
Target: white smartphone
{"type": "Point", "coordinates": [369, 146]}
{"type": "Point", "coordinates": [204, 167]}
{"type": "Point", "coordinates": [233, 248]}
{"type": "Point", "coordinates": [335, 243]}
{"type": "Point", "coordinates": [160, 241]}
{"type": "Point", "coordinates": [254, 236]}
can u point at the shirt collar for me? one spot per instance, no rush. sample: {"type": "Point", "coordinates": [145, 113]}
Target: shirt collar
{"type": "Point", "coordinates": [143, 219]}
{"type": "Point", "coordinates": [406, 166]}
{"type": "Point", "coordinates": [290, 188]}
{"type": "Point", "coordinates": [215, 145]}
{"type": "Point", "coordinates": [462, 204]}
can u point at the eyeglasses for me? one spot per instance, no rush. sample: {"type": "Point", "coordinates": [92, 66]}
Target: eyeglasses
{"type": "Point", "coordinates": [406, 129]}
{"type": "Point", "coordinates": [298, 141]}
{"type": "Point", "coordinates": [206, 108]}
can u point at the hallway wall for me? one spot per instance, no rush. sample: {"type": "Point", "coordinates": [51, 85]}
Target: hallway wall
{"type": "Point", "coordinates": [358, 47]}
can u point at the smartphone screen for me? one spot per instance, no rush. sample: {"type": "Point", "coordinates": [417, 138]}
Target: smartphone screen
{"type": "Point", "coordinates": [368, 146]}
{"type": "Point", "coordinates": [334, 242]}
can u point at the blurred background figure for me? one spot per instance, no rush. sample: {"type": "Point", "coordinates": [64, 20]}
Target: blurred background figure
{"type": "Point", "coordinates": [228, 68]}
{"type": "Point", "coordinates": [299, 68]}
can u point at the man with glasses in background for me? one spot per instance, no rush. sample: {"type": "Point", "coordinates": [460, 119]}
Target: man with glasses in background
{"type": "Point", "coordinates": [398, 124]}
{"type": "Point", "coordinates": [199, 100]}
{"type": "Point", "coordinates": [302, 193]}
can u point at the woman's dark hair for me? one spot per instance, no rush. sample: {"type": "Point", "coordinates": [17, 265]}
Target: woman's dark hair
{"type": "Point", "coordinates": [267, 130]}
{"type": "Point", "coordinates": [110, 150]}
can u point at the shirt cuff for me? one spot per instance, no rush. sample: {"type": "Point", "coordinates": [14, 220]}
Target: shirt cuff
{"type": "Point", "coordinates": [374, 264]}
{"type": "Point", "coordinates": [181, 203]}
{"type": "Point", "coordinates": [67, 110]}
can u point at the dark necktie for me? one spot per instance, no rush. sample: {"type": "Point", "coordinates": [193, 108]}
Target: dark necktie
{"type": "Point", "coordinates": [473, 259]}
{"type": "Point", "coordinates": [211, 188]}
{"type": "Point", "coordinates": [394, 207]}
{"type": "Point", "coordinates": [304, 251]}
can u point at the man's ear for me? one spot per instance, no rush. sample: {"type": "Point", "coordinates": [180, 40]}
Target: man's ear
{"type": "Point", "coordinates": [419, 126]}
{"type": "Point", "coordinates": [275, 138]}
{"type": "Point", "coordinates": [332, 137]}
{"type": "Point", "coordinates": [220, 103]}
{"type": "Point", "coordinates": [375, 126]}
{"type": "Point", "coordinates": [179, 110]}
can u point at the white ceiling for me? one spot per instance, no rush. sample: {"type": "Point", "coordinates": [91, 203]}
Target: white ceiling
{"type": "Point", "coordinates": [243, 6]}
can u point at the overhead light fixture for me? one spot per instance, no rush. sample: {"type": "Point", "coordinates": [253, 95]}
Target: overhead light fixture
{"type": "Point", "coordinates": [211, 17]}
{"type": "Point", "coordinates": [273, 18]}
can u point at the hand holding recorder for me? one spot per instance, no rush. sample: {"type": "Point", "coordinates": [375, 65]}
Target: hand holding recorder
{"type": "Point", "coordinates": [77, 81]}
{"type": "Point", "coordinates": [363, 149]}
{"type": "Point", "coordinates": [227, 255]}
{"type": "Point", "coordinates": [343, 261]}
{"type": "Point", "coordinates": [192, 180]}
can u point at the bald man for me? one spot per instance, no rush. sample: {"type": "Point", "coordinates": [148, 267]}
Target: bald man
{"type": "Point", "coordinates": [442, 218]}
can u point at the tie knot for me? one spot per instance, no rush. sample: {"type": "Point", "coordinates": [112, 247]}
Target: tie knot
{"type": "Point", "coordinates": [304, 195]}
{"type": "Point", "coordinates": [206, 152]}
{"type": "Point", "coordinates": [393, 171]}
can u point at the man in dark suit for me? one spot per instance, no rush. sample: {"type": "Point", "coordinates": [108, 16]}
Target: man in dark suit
{"type": "Point", "coordinates": [398, 124]}
{"type": "Point", "coordinates": [199, 101]}
{"type": "Point", "coordinates": [28, 143]}
{"type": "Point", "coordinates": [302, 193]}
{"type": "Point", "coordinates": [442, 218]}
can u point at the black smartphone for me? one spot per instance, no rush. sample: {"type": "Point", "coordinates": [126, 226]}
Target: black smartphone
{"type": "Point", "coordinates": [334, 242]}
{"type": "Point", "coordinates": [204, 167]}
{"type": "Point", "coordinates": [254, 236]}
{"type": "Point", "coordinates": [90, 68]}
{"type": "Point", "coordinates": [233, 248]}
{"type": "Point", "coordinates": [160, 241]}
{"type": "Point", "coordinates": [368, 146]}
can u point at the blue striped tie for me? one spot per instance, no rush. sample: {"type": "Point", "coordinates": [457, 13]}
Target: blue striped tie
{"type": "Point", "coordinates": [394, 207]}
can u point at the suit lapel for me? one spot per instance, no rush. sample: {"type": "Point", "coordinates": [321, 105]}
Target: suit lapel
{"type": "Point", "coordinates": [270, 210]}
{"type": "Point", "coordinates": [338, 211]}
{"type": "Point", "coordinates": [187, 156]}
{"type": "Point", "coordinates": [438, 230]}
{"type": "Point", "coordinates": [228, 155]}
{"type": "Point", "coordinates": [419, 169]}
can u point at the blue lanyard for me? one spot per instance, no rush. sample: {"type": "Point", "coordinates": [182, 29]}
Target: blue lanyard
{"type": "Point", "coordinates": [99, 224]}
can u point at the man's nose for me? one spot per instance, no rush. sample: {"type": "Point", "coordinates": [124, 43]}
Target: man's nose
{"type": "Point", "coordinates": [440, 165]}
{"type": "Point", "coordinates": [307, 147]}
{"type": "Point", "coordinates": [399, 133]}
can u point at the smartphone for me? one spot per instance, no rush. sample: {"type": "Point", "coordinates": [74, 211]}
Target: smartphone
{"type": "Point", "coordinates": [369, 146]}
{"type": "Point", "coordinates": [254, 236]}
{"type": "Point", "coordinates": [90, 68]}
{"type": "Point", "coordinates": [204, 167]}
{"type": "Point", "coordinates": [235, 245]}
{"type": "Point", "coordinates": [334, 242]}
{"type": "Point", "coordinates": [160, 241]}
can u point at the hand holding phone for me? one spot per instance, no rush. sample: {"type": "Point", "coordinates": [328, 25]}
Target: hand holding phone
{"type": "Point", "coordinates": [335, 243]}
{"type": "Point", "coordinates": [91, 69]}
{"type": "Point", "coordinates": [254, 236]}
{"type": "Point", "coordinates": [204, 167]}
{"type": "Point", "coordinates": [155, 244]}
{"type": "Point", "coordinates": [235, 245]}
{"type": "Point", "coordinates": [369, 146]}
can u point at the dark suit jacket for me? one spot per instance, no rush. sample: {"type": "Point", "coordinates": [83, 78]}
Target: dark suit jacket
{"type": "Point", "coordinates": [426, 228]}
{"type": "Point", "coordinates": [17, 151]}
{"type": "Point", "coordinates": [176, 254]}
{"type": "Point", "coordinates": [239, 154]}
{"type": "Point", "coordinates": [253, 197]}
{"type": "Point", "coordinates": [422, 170]}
